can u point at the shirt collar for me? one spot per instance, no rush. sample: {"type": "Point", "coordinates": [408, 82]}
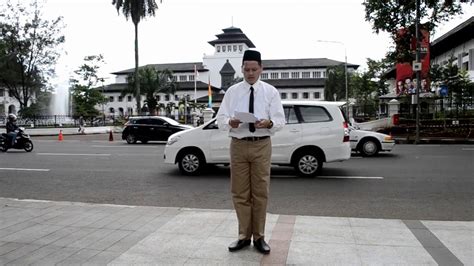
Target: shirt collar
{"type": "Point", "coordinates": [255, 85]}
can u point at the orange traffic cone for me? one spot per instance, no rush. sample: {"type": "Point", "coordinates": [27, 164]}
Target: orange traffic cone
{"type": "Point", "coordinates": [60, 138]}
{"type": "Point", "coordinates": [111, 135]}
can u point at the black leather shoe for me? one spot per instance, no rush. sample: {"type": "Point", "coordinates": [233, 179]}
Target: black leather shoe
{"type": "Point", "coordinates": [239, 244]}
{"type": "Point", "coordinates": [261, 246]}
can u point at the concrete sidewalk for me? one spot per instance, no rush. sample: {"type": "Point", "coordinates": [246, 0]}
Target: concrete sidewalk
{"type": "Point", "coordinates": [65, 233]}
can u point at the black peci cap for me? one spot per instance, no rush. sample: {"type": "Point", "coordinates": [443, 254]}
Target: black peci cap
{"type": "Point", "coordinates": [252, 55]}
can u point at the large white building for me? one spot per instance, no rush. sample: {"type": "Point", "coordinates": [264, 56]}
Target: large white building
{"type": "Point", "coordinates": [301, 79]}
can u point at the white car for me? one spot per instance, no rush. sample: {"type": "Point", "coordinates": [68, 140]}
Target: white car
{"type": "Point", "coordinates": [315, 132]}
{"type": "Point", "coordinates": [370, 143]}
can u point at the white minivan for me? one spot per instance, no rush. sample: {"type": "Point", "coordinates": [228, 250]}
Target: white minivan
{"type": "Point", "coordinates": [315, 132]}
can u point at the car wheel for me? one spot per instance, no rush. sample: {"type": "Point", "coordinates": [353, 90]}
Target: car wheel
{"type": "Point", "coordinates": [368, 148]}
{"type": "Point", "coordinates": [191, 162]}
{"type": "Point", "coordinates": [308, 163]}
{"type": "Point", "coordinates": [131, 139]}
{"type": "Point", "coordinates": [28, 146]}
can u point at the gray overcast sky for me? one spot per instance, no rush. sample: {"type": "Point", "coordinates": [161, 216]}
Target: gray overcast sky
{"type": "Point", "coordinates": [179, 32]}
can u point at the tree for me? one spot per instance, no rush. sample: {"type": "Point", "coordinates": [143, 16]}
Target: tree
{"type": "Point", "coordinates": [393, 15]}
{"type": "Point", "coordinates": [152, 82]}
{"type": "Point", "coordinates": [137, 9]}
{"type": "Point", "coordinates": [85, 96]}
{"type": "Point", "coordinates": [28, 50]}
{"type": "Point", "coordinates": [335, 84]}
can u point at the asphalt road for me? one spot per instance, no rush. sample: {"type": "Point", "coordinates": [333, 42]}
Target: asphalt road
{"type": "Point", "coordinates": [420, 182]}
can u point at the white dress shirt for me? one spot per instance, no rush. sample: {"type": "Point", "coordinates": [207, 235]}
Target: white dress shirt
{"type": "Point", "coordinates": [267, 105]}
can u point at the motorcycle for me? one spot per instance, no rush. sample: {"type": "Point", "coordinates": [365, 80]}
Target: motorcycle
{"type": "Point", "coordinates": [23, 141]}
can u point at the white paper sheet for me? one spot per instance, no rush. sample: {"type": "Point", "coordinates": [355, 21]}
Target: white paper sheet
{"type": "Point", "coordinates": [246, 117]}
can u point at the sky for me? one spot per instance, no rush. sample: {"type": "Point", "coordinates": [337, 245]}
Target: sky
{"type": "Point", "coordinates": [181, 30]}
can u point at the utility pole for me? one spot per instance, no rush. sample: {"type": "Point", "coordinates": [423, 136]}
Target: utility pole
{"type": "Point", "coordinates": [418, 72]}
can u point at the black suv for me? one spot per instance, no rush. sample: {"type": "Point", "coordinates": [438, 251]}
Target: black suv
{"type": "Point", "coordinates": [146, 128]}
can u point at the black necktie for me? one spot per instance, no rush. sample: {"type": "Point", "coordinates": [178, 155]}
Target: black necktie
{"type": "Point", "coordinates": [251, 125]}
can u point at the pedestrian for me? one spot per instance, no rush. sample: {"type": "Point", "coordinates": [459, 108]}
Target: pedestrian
{"type": "Point", "coordinates": [81, 125]}
{"type": "Point", "coordinates": [251, 148]}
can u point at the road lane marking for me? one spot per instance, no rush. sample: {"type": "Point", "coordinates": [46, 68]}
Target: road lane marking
{"type": "Point", "coordinates": [351, 177]}
{"type": "Point", "coordinates": [75, 154]}
{"type": "Point", "coordinates": [25, 169]}
{"type": "Point", "coordinates": [468, 149]}
{"type": "Point", "coordinates": [334, 176]}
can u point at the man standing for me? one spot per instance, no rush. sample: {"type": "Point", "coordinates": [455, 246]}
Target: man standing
{"type": "Point", "coordinates": [251, 148]}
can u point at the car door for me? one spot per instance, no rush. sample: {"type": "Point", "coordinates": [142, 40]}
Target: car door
{"type": "Point", "coordinates": [160, 129]}
{"type": "Point", "coordinates": [139, 128]}
{"type": "Point", "coordinates": [285, 141]}
{"type": "Point", "coordinates": [218, 144]}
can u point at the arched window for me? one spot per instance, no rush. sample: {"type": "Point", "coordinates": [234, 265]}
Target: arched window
{"type": "Point", "coordinates": [111, 110]}
{"type": "Point", "coordinates": [121, 111]}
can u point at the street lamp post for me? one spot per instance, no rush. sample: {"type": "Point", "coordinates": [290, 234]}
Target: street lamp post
{"type": "Point", "coordinates": [345, 70]}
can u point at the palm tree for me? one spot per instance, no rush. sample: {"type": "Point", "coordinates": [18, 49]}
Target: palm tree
{"type": "Point", "coordinates": [137, 9]}
{"type": "Point", "coordinates": [152, 82]}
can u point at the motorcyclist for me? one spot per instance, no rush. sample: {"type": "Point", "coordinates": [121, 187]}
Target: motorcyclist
{"type": "Point", "coordinates": [12, 129]}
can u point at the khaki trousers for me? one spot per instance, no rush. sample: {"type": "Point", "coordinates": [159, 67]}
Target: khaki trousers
{"type": "Point", "coordinates": [250, 182]}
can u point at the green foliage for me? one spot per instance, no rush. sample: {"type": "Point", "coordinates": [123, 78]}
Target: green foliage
{"type": "Point", "coordinates": [28, 50]}
{"type": "Point", "coordinates": [335, 83]}
{"type": "Point", "coordinates": [84, 96]}
{"type": "Point", "coordinates": [392, 15]}
{"type": "Point", "coordinates": [152, 82]}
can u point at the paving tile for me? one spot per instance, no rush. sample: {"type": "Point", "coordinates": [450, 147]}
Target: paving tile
{"type": "Point", "coordinates": [31, 234]}
{"type": "Point", "coordinates": [317, 221]}
{"type": "Point", "coordinates": [36, 255]}
{"type": "Point", "coordinates": [377, 223]}
{"type": "Point", "coordinates": [139, 222]}
{"type": "Point", "coordinates": [15, 228]}
{"type": "Point", "coordinates": [155, 224]}
{"type": "Point", "coordinates": [109, 240]}
{"type": "Point", "coordinates": [90, 240]}
{"type": "Point", "coordinates": [194, 261]}
{"type": "Point", "coordinates": [73, 237]}
{"type": "Point", "coordinates": [54, 236]}
{"type": "Point", "coordinates": [127, 242]}
{"type": "Point", "coordinates": [278, 254]}
{"type": "Point", "coordinates": [459, 242]}
{"type": "Point", "coordinates": [449, 225]}
{"type": "Point", "coordinates": [79, 257]}
{"type": "Point", "coordinates": [323, 234]}
{"type": "Point", "coordinates": [55, 257]}
{"type": "Point", "coordinates": [103, 258]}
{"type": "Point", "coordinates": [18, 252]}
{"type": "Point", "coordinates": [9, 247]}
{"type": "Point", "coordinates": [310, 253]}
{"type": "Point", "coordinates": [394, 255]}
{"type": "Point", "coordinates": [216, 248]}
{"type": "Point", "coordinates": [131, 258]}
{"type": "Point", "coordinates": [384, 237]}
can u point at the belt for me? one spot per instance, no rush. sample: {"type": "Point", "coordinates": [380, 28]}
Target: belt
{"type": "Point", "coordinates": [254, 138]}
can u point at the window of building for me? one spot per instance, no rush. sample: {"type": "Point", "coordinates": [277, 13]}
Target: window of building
{"type": "Point", "coordinates": [305, 95]}
{"type": "Point", "coordinates": [235, 48]}
{"type": "Point", "coordinates": [229, 48]}
{"type": "Point", "coordinates": [223, 48]}
{"type": "Point", "coordinates": [111, 99]}
{"type": "Point", "coordinates": [306, 75]}
{"type": "Point", "coordinates": [285, 75]}
{"type": "Point", "coordinates": [295, 75]}
{"type": "Point", "coordinates": [316, 95]}
{"type": "Point", "coordinates": [283, 95]}
{"type": "Point", "coordinates": [167, 97]}
{"type": "Point", "coordinates": [316, 74]}
{"type": "Point", "coordinates": [264, 76]}
{"type": "Point", "coordinates": [294, 95]}
{"type": "Point", "coordinates": [218, 48]}
{"type": "Point", "coordinates": [158, 97]}
{"type": "Point", "coordinates": [183, 78]}
{"type": "Point", "coordinates": [191, 77]}
{"type": "Point", "coordinates": [130, 110]}
{"type": "Point", "coordinates": [241, 48]}
{"type": "Point", "coordinates": [274, 75]}
{"type": "Point", "coordinates": [111, 110]}
{"type": "Point", "coordinates": [176, 97]}
{"type": "Point", "coordinates": [2, 92]}
{"type": "Point", "coordinates": [129, 98]}
{"type": "Point", "coordinates": [324, 74]}
{"type": "Point", "coordinates": [174, 79]}
{"type": "Point", "coordinates": [120, 99]}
